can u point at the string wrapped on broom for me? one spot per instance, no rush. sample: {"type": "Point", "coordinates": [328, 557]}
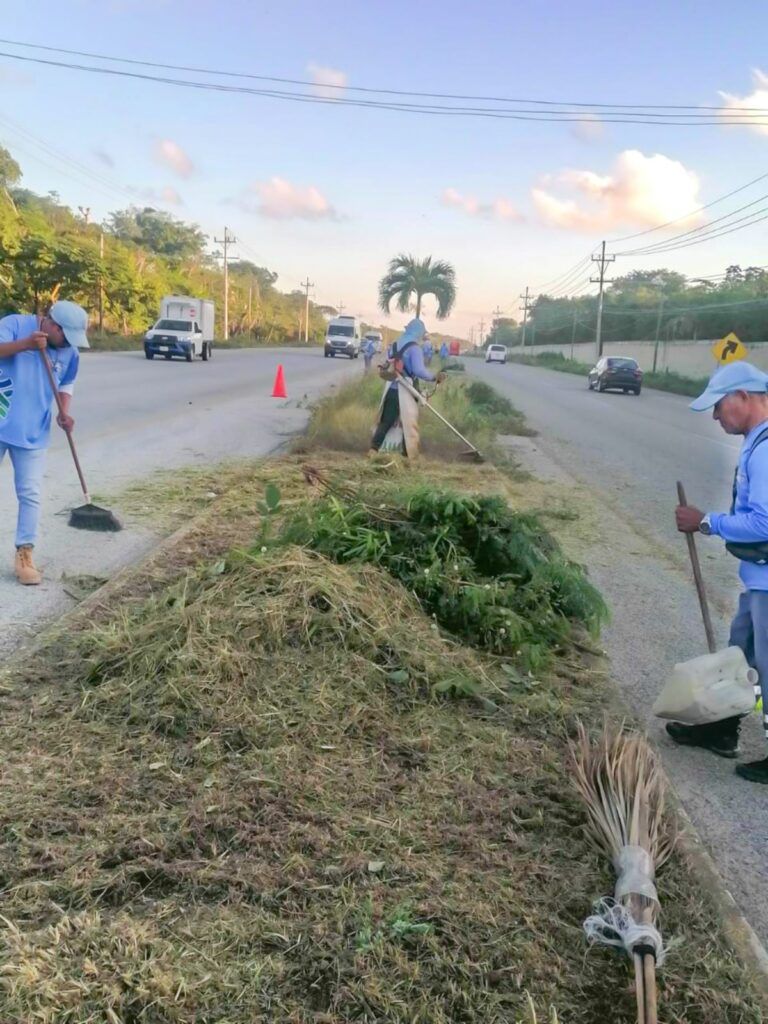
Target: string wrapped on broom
{"type": "Point", "coordinates": [619, 777]}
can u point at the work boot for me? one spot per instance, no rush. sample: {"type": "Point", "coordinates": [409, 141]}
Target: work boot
{"type": "Point", "coordinates": [722, 738]}
{"type": "Point", "coordinates": [755, 771]}
{"type": "Point", "coordinates": [26, 573]}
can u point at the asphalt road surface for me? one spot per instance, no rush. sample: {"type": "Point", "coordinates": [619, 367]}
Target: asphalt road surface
{"type": "Point", "coordinates": [625, 455]}
{"type": "Point", "coordinates": [133, 417]}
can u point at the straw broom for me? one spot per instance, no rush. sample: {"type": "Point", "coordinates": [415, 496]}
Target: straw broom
{"type": "Point", "coordinates": [620, 780]}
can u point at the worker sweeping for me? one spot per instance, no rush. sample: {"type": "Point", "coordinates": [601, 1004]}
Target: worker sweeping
{"type": "Point", "coordinates": [406, 360]}
{"type": "Point", "coordinates": [26, 397]}
{"type": "Point", "coordinates": [738, 396]}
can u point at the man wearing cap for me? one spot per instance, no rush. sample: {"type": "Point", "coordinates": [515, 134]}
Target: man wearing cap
{"type": "Point", "coordinates": [25, 407]}
{"type": "Point", "coordinates": [737, 395]}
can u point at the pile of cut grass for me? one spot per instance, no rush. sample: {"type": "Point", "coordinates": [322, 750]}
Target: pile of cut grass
{"type": "Point", "coordinates": [345, 422]}
{"type": "Point", "coordinates": [235, 796]}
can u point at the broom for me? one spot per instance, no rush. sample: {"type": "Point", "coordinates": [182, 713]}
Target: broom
{"type": "Point", "coordinates": [87, 516]}
{"type": "Point", "coordinates": [620, 780]}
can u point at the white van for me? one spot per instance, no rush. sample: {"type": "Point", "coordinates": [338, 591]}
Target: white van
{"type": "Point", "coordinates": [343, 337]}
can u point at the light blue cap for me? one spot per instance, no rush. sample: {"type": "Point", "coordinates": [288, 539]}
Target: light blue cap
{"type": "Point", "coordinates": [73, 320]}
{"type": "Point", "coordinates": [738, 376]}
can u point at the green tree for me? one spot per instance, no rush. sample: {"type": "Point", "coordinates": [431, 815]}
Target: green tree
{"type": "Point", "coordinates": [158, 232]}
{"type": "Point", "coordinates": [408, 276]}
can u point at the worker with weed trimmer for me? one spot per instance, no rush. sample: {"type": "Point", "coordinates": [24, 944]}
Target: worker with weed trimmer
{"type": "Point", "coordinates": [738, 396]}
{"type": "Point", "coordinates": [405, 363]}
{"type": "Point", "coordinates": [26, 397]}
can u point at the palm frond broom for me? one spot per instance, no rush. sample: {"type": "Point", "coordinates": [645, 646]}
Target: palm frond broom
{"type": "Point", "coordinates": [620, 780]}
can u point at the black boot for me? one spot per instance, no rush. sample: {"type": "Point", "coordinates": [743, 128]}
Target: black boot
{"type": "Point", "coordinates": [755, 771]}
{"type": "Point", "coordinates": [722, 737]}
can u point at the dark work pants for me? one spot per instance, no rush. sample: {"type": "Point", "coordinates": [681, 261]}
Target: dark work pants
{"type": "Point", "coordinates": [389, 415]}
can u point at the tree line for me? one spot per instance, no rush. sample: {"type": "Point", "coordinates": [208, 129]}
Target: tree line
{"type": "Point", "coordinates": [119, 270]}
{"type": "Point", "coordinates": [644, 302]}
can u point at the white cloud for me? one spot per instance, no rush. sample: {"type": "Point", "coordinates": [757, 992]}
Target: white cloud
{"type": "Point", "coordinates": [498, 209]}
{"type": "Point", "coordinates": [591, 129]}
{"type": "Point", "coordinates": [327, 82]}
{"type": "Point", "coordinates": [642, 191]}
{"type": "Point", "coordinates": [167, 195]}
{"type": "Point", "coordinates": [757, 98]}
{"type": "Point", "coordinates": [172, 155]}
{"type": "Point", "coordinates": [104, 158]}
{"type": "Point", "coordinates": [282, 200]}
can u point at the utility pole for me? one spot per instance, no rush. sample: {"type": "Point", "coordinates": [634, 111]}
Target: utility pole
{"type": "Point", "coordinates": [306, 285]}
{"type": "Point", "coordinates": [341, 307]}
{"type": "Point", "coordinates": [524, 308]}
{"type": "Point", "coordinates": [482, 325]}
{"type": "Point", "coordinates": [658, 331]}
{"type": "Point", "coordinates": [472, 336]}
{"type": "Point", "coordinates": [101, 281]}
{"type": "Point", "coordinates": [496, 314]}
{"type": "Point", "coordinates": [602, 259]}
{"type": "Point", "coordinates": [573, 333]}
{"type": "Point", "coordinates": [226, 241]}
{"type": "Point", "coordinates": [85, 212]}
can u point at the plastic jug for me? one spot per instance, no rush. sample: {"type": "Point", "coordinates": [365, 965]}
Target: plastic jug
{"type": "Point", "coordinates": [708, 688]}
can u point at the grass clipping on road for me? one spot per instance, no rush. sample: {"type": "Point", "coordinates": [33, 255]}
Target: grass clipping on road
{"type": "Point", "coordinates": [242, 794]}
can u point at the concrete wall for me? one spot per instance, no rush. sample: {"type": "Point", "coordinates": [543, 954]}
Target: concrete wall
{"type": "Point", "coordinates": [691, 358]}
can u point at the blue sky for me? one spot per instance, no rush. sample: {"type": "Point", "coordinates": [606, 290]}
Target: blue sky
{"type": "Point", "coordinates": [356, 186]}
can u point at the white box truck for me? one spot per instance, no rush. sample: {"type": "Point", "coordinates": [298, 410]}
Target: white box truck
{"type": "Point", "coordinates": [185, 329]}
{"type": "Point", "coordinates": [343, 337]}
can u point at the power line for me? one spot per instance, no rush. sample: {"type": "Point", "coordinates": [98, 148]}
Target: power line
{"type": "Point", "coordinates": [568, 116]}
{"type": "Point", "coordinates": [368, 89]}
{"type": "Point", "coordinates": [692, 213]}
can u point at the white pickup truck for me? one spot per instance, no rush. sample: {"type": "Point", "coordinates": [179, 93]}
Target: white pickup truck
{"type": "Point", "coordinates": [185, 329]}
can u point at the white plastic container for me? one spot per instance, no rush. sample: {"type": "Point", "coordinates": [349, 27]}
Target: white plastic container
{"type": "Point", "coordinates": [708, 688]}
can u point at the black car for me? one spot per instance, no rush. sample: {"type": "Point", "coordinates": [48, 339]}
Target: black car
{"type": "Point", "coordinates": [616, 373]}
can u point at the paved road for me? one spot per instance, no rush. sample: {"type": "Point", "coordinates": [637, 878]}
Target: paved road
{"type": "Point", "coordinates": [133, 417]}
{"type": "Point", "coordinates": [627, 453]}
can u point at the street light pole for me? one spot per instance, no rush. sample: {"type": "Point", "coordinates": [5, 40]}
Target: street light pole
{"type": "Point", "coordinates": [658, 331]}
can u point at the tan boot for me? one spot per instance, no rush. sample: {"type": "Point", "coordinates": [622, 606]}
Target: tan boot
{"type": "Point", "coordinates": [26, 573]}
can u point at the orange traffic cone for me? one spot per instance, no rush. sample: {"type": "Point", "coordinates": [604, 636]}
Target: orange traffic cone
{"type": "Point", "coordinates": [278, 391]}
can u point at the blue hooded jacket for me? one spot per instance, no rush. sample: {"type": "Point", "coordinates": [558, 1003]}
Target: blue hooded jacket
{"type": "Point", "coordinates": [413, 358]}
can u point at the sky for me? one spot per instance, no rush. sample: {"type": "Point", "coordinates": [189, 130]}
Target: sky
{"type": "Point", "coordinates": [332, 193]}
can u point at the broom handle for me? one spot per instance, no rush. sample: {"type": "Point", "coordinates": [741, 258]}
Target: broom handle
{"type": "Point", "coordinates": [698, 578]}
{"type": "Point", "coordinates": [637, 960]}
{"type": "Point", "coordinates": [60, 406]}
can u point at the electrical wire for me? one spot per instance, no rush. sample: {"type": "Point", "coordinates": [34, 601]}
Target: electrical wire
{"type": "Point", "coordinates": [367, 89]}
{"type": "Point", "coordinates": [562, 116]}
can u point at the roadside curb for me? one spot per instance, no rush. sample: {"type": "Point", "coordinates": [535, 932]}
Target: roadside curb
{"type": "Point", "coordinates": [736, 928]}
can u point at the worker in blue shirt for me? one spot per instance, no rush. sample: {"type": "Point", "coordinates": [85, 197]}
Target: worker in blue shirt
{"type": "Point", "coordinates": [25, 407]}
{"type": "Point", "coordinates": [738, 396]}
{"type": "Point", "coordinates": [369, 350]}
{"type": "Point", "coordinates": [444, 353]}
{"type": "Point", "coordinates": [428, 350]}
{"type": "Point", "coordinates": [407, 360]}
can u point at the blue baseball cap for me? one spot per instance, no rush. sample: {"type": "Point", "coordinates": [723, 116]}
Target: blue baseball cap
{"type": "Point", "coordinates": [738, 376]}
{"type": "Point", "coordinates": [73, 320]}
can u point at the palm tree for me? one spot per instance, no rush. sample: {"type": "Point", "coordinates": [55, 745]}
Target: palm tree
{"type": "Point", "coordinates": [407, 276]}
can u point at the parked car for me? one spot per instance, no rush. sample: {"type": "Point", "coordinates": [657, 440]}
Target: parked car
{"type": "Point", "coordinates": [496, 354]}
{"type": "Point", "coordinates": [616, 373]}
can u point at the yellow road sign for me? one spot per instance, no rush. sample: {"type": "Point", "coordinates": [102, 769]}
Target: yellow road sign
{"type": "Point", "coordinates": [729, 349]}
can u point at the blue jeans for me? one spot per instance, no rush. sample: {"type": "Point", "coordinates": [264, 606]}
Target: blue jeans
{"type": "Point", "coordinates": [749, 631]}
{"type": "Point", "coordinates": [28, 465]}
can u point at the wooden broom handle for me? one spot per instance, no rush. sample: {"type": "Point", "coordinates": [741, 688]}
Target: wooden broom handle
{"type": "Point", "coordinates": [57, 396]}
{"type": "Point", "coordinates": [698, 578]}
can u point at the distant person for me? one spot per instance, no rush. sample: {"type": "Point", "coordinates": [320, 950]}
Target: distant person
{"type": "Point", "coordinates": [406, 359]}
{"type": "Point", "coordinates": [737, 395]}
{"type": "Point", "coordinates": [428, 350]}
{"type": "Point", "coordinates": [25, 407]}
{"type": "Point", "coordinates": [444, 351]}
{"type": "Point", "coordinates": [369, 351]}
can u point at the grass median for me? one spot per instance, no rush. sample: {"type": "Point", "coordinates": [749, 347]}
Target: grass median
{"type": "Point", "coordinates": [666, 380]}
{"type": "Point", "coordinates": [310, 765]}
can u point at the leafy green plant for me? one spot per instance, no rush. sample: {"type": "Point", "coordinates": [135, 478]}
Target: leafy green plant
{"type": "Point", "coordinates": [494, 577]}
